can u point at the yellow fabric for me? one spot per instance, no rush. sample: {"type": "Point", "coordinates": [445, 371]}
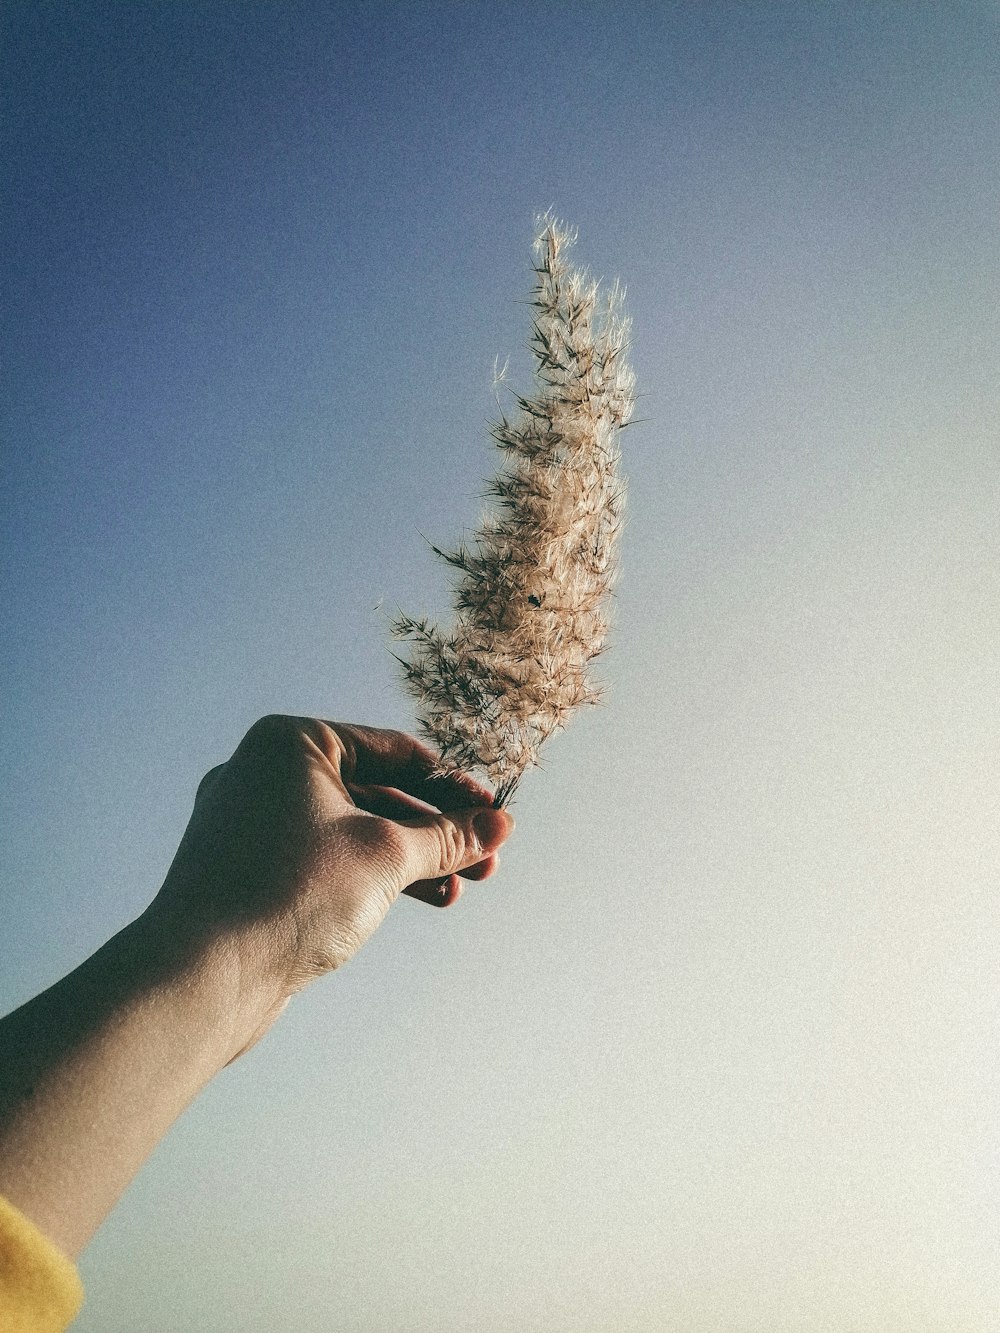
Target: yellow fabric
{"type": "Point", "coordinates": [40, 1289]}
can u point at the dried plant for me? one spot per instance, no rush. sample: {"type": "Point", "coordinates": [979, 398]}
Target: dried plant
{"type": "Point", "coordinates": [530, 600]}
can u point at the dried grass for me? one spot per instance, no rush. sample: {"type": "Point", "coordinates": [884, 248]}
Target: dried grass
{"type": "Point", "coordinates": [530, 599]}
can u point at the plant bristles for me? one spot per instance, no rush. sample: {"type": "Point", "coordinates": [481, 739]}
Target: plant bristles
{"type": "Point", "coordinates": [530, 603]}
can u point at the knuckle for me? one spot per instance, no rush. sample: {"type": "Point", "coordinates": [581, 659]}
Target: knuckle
{"type": "Point", "coordinates": [275, 737]}
{"type": "Point", "coordinates": [268, 722]}
{"type": "Point", "coordinates": [208, 781]}
{"type": "Point", "coordinates": [451, 843]}
{"type": "Point", "coordinates": [269, 727]}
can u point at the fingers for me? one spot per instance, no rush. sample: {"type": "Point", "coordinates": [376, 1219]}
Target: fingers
{"type": "Point", "coordinates": [438, 893]}
{"type": "Point", "coordinates": [370, 756]}
{"type": "Point", "coordinates": [397, 805]}
{"type": "Point", "coordinates": [438, 846]}
{"type": "Point", "coordinates": [393, 804]}
{"type": "Point", "coordinates": [482, 869]}
{"type": "Point", "coordinates": [387, 801]}
{"type": "Point", "coordinates": [447, 889]}
{"type": "Point", "coordinates": [434, 827]}
{"type": "Point", "coordinates": [378, 757]}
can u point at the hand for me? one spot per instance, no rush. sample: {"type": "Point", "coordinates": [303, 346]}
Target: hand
{"type": "Point", "coordinates": [302, 841]}
{"type": "Point", "coordinates": [296, 849]}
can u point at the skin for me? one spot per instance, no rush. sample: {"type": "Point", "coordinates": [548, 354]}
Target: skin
{"type": "Point", "coordinates": [296, 849]}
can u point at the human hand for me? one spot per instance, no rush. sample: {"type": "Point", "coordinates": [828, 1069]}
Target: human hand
{"type": "Point", "coordinates": [296, 849]}
{"type": "Point", "coordinates": [300, 843]}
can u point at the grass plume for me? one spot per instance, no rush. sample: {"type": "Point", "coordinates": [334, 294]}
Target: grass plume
{"type": "Point", "coordinates": [531, 591]}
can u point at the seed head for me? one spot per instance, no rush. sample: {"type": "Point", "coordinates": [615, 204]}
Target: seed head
{"type": "Point", "coordinates": [531, 592]}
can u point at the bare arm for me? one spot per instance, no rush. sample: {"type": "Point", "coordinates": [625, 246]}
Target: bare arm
{"type": "Point", "coordinates": [296, 850]}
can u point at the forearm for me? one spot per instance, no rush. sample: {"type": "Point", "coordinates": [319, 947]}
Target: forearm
{"type": "Point", "coordinates": [95, 1070]}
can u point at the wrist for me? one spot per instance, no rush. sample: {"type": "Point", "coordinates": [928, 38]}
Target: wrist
{"type": "Point", "coordinates": [209, 971]}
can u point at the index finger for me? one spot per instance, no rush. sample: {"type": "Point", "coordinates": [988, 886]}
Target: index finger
{"type": "Point", "coordinates": [384, 758]}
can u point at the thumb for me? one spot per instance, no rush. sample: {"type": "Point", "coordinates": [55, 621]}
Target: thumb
{"type": "Point", "coordinates": [436, 844]}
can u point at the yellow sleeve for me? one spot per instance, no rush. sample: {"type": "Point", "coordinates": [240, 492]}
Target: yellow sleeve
{"type": "Point", "coordinates": [40, 1289]}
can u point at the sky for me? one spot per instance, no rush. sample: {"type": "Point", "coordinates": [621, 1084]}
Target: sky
{"type": "Point", "coordinates": [716, 1048]}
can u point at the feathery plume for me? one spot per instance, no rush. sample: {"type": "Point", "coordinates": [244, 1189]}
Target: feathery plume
{"type": "Point", "coordinates": [529, 600]}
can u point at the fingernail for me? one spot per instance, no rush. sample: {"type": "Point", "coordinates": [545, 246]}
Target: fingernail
{"type": "Point", "coordinates": [491, 827]}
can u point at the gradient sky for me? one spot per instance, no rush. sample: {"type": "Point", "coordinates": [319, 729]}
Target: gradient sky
{"type": "Point", "coordinates": [717, 1048]}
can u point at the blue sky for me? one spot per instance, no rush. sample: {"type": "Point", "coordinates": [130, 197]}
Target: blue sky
{"type": "Point", "coordinates": [716, 1049]}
